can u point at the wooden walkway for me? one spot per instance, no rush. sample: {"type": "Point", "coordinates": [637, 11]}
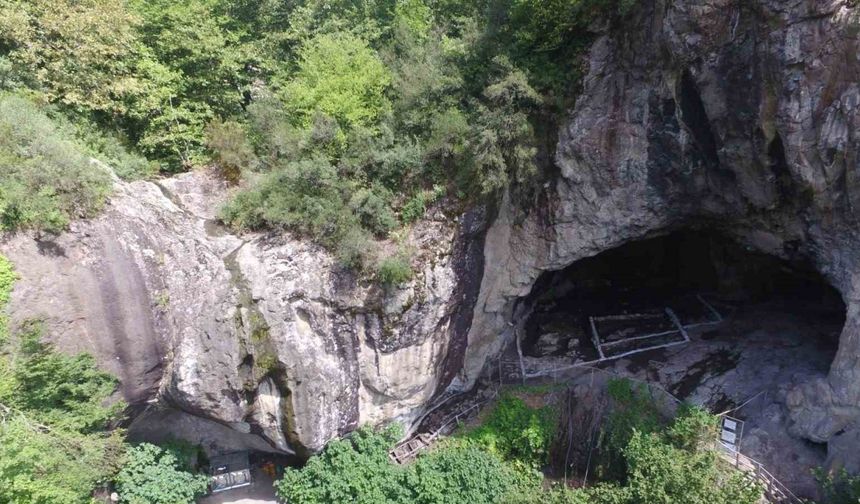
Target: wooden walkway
{"type": "Point", "coordinates": [407, 450]}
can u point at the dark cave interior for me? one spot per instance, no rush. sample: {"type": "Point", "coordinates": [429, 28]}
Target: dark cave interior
{"type": "Point", "coordinates": [672, 270]}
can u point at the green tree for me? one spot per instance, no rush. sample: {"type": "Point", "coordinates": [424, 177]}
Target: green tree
{"type": "Point", "coordinates": [356, 469]}
{"type": "Point", "coordinates": [66, 391]}
{"type": "Point", "coordinates": [341, 76]}
{"type": "Point", "coordinates": [660, 473]}
{"type": "Point", "coordinates": [42, 465]}
{"type": "Point", "coordinates": [632, 411]}
{"type": "Point", "coordinates": [153, 475]}
{"type": "Point", "coordinates": [461, 474]}
{"type": "Point", "coordinates": [47, 455]}
{"type": "Point", "coordinates": [516, 431]}
{"type": "Point", "coordinates": [502, 149]}
{"type": "Point", "coordinates": [200, 68]}
{"type": "Point", "coordinates": [77, 52]}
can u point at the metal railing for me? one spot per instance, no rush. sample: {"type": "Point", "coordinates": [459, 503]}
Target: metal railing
{"type": "Point", "coordinates": [775, 491]}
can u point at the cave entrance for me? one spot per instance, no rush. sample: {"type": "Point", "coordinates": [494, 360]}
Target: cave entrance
{"type": "Point", "coordinates": [652, 293]}
{"type": "Point", "coordinates": [754, 326]}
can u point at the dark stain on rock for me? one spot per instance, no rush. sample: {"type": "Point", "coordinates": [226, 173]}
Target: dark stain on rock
{"type": "Point", "coordinates": [714, 364]}
{"type": "Point", "coordinates": [468, 256]}
{"type": "Point", "coordinates": [695, 117]}
{"type": "Point", "coordinates": [50, 248]}
{"type": "Point", "coordinates": [664, 158]}
{"type": "Point", "coordinates": [779, 170]}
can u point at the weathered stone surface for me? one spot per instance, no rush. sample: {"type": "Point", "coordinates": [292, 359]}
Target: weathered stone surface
{"type": "Point", "coordinates": [264, 334]}
{"type": "Point", "coordinates": [739, 115]}
{"type": "Point", "coordinates": [742, 116]}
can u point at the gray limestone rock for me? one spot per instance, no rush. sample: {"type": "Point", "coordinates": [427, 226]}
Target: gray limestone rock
{"type": "Point", "coordinates": [743, 116]}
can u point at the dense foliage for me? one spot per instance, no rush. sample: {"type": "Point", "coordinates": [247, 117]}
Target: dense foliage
{"type": "Point", "coordinates": [57, 443]}
{"type": "Point", "coordinates": [838, 487]}
{"type": "Point", "coordinates": [154, 475]}
{"type": "Point", "coordinates": [358, 469]}
{"type": "Point", "coordinates": [53, 447]}
{"type": "Point", "coordinates": [45, 178]}
{"type": "Point", "coordinates": [343, 120]}
{"type": "Point", "coordinates": [7, 282]}
{"type": "Point", "coordinates": [514, 431]}
{"type": "Point", "coordinates": [43, 465]}
{"type": "Point", "coordinates": [633, 411]}
{"type": "Point", "coordinates": [67, 391]}
{"type": "Point", "coordinates": [497, 461]}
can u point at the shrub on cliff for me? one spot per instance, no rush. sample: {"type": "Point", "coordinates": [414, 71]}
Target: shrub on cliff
{"type": "Point", "coordinates": [7, 281]}
{"type": "Point", "coordinates": [45, 178]}
{"type": "Point", "coordinates": [515, 431]}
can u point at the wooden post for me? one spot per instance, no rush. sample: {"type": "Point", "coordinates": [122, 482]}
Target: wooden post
{"type": "Point", "coordinates": [595, 338]}
{"type": "Point", "coordinates": [520, 354]}
{"type": "Point", "coordinates": [714, 312]}
{"type": "Point", "coordinates": [677, 322]}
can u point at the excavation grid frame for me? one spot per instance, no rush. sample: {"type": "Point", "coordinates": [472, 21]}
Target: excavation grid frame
{"type": "Point", "coordinates": [668, 318]}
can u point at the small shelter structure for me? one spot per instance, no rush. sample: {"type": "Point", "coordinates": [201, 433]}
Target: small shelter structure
{"type": "Point", "coordinates": [232, 470]}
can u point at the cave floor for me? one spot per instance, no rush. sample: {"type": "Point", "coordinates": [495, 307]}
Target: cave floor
{"type": "Point", "coordinates": [744, 366]}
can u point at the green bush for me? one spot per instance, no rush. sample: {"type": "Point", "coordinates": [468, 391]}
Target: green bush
{"type": "Point", "coordinates": [515, 431]}
{"type": "Point", "coordinates": [339, 75]}
{"type": "Point", "coordinates": [372, 206]}
{"type": "Point", "coordinates": [394, 270]}
{"type": "Point", "coordinates": [459, 474]}
{"type": "Point", "coordinates": [416, 206]}
{"type": "Point", "coordinates": [153, 475]}
{"type": "Point", "coordinates": [111, 150]}
{"type": "Point", "coordinates": [693, 429]}
{"type": "Point", "coordinates": [838, 487]}
{"type": "Point", "coordinates": [7, 282]}
{"type": "Point", "coordinates": [53, 466]}
{"type": "Point", "coordinates": [307, 197]}
{"type": "Point", "coordinates": [632, 411]}
{"type": "Point", "coordinates": [67, 391]}
{"type": "Point", "coordinates": [45, 179]}
{"type": "Point", "coordinates": [660, 473]}
{"type": "Point", "coordinates": [554, 496]}
{"type": "Point", "coordinates": [357, 469]}
{"type": "Point", "coordinates": [232, 152]}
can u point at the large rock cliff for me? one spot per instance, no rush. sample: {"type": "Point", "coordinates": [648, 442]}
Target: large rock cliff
{"type": "Point", "coordinates": [737, 115]}
{"type": "Point", "coordinates": [263, 334]}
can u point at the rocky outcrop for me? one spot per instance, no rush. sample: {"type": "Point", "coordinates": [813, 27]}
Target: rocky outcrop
{"type": "Point", "coordinates": [266, 335]}
{"type": "Point", "coordinates": [737, 115]}
{"type": "Point", "coordinates": [742, 116]}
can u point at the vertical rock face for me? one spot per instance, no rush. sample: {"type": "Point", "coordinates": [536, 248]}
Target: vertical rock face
{"type": "Point", "coordinates": [266, 335]}
{"type": "Point", "coordinates": [742, 116]}
{"type": "Point", "coordinates": [711, 113]}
